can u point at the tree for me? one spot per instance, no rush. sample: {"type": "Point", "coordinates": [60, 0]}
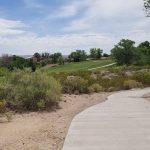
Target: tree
{"type": "Point", "coordinates": [143, 53]}
{"type": "Point", "coordinates": [45, 55]}
{"type": "Point", "coordinates": [105, 55]}
{"type": "Point", "coordinates": [147, 7]}
{"type": "Point", "coordinates": [19, 62]}
{"type": "Point", "coordinates": [145, 44]}
{"type": "Point", "coordinates": [96, 53]}
{"type": "Point", "coordinates": [6, 61]}
{"type": "Point", "coordinates": [78, 55]}
{"type": "Point", "coordinates": [32, 65]}
{"type": "Point", "coordinates": [61, 60]}
{"type": "Point", "coordinates": [37, 56]}
{"type": "Point", "coordinates": [55, 57]}
{"type": "Point", "coordinates": [123, 52]}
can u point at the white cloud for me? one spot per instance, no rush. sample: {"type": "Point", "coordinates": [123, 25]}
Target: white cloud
{"type": "Point", "coordinates": [103, 14]}
{"type": "Point", "coordinates": [65, 11]}
{"type": "Point", "coordinates": [11, 27]}
{"type": "Point", "coordinates": [77, 25]}
{"type": "Point", "coordinates": [33, 4]}
{"type": "Point", "coordinates": [65, 44]}
{"type": "Point", "coordinates": [28, 44]}
{"type": "Point", "coordinates": [90, 23]}
{"type": "Point", "coordinates": [71, 9]}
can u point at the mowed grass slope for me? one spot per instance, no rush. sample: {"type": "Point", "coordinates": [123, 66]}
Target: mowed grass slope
{"type": "Point", "coordinates": [75, 66]}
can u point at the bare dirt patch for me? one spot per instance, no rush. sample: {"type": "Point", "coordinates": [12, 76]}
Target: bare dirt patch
{"type": "Point", "coordinates": [46, 130]}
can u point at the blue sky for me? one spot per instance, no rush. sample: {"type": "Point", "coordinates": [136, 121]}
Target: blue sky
{"type": "Point", "coordinates": [27, 26]}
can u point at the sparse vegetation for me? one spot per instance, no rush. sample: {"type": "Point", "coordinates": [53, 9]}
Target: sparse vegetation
{"type": "Point", "coordinates": [130, 84]}
{"type": "Point", "coordinates": [95, 88]}
{"type": "Point", "coordinates": [75, 85]}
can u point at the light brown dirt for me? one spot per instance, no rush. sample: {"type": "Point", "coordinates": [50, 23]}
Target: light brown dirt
{"type": "Point", "coordinates": [46, 130]}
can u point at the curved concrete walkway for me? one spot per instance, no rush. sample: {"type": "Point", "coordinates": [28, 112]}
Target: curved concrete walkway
{"type": "Point", "coordinates": [121, 123]}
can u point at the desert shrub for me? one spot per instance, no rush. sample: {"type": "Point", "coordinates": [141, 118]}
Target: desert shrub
{"type": "Point", "coordinates": [30, 91]}
{"type": "Point", "coordinates": [144, 78]}
{"type": "Point", "coordinates": [117, 69]}
{"type": "Point", "coordinates": [75, 83]}
{"type": "Point", "coordinates": [95, 88]}
{"type": "Point", "coordinates": [81, 73]}
{"type": "Point", "coordinates": [61, 77]}
{"type": "Point", "coordinates": [116, 82]}
{"type": "Point", "coordinates": [2, 106]}
{"type": "Point", "coordinates": [83, 80]}
{"type": "Point", "coordinates": [129, 84]}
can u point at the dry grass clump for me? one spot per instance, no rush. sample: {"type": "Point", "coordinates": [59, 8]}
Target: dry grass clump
{"type": "Point", "coordinates": [95, 88]}
{"type": "Point", "coordinates": [75, 85]}
{"type": "Point", "coordinates": [130, 84]}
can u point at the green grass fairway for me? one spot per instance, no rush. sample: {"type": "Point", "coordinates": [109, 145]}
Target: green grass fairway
{"type": "Point", "coordinates": [80, 66]}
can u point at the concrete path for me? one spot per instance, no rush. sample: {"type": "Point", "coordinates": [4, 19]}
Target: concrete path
{"type": "Point", "coordinates": [121, 123]}
{"type": "Point", "coordinates": [102, 67]}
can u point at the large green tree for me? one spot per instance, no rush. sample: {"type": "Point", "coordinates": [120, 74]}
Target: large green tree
{"type": "Point", "coordinates": [96, 53]}
{"type": "Point", "coordinates": [143, 53]}
{"type": "Point", "coordinates": [78, 55]}
{"type": "Point", "coordinates": [55, 57]}
{"type": "Point", "coordinates": [123, 52]}
{"type": "Point", "coordinates": [37, 56]}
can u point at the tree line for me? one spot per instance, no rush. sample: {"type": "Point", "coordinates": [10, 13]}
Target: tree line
{"type": "Point", "coordinates": [125, 52]}
{"type": "Point", "coordinates": [43, 59]}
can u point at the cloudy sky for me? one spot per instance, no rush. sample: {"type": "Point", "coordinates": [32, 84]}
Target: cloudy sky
{"type": "Point", "coordinates": [27, 26]}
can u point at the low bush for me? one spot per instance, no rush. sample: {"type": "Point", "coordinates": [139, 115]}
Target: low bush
{"type": "Point", "coordinates": [129, 84]}
{"type": "Point", "coordinates": [30, 91]}
{"type": "Point", "coordinates": [95, 88]}
{"type": "Point", "coordinates": [85, 79]}
{"type": "Point", "coordinates": [75, 84]}
{"type": "Point", "coordinates": [2, 106]}
{"type": "Point", "coordinates": [144, 78]}
{"type": "Point", "coordinates": [116, 82]}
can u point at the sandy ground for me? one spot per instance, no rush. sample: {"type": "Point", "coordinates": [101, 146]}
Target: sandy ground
{"type": "Point", "coordinates": [46, 130]}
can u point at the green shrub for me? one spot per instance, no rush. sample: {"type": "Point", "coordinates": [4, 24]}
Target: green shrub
{"type": "Point", "coordinates": [129, 84]}
{"type": "Point", "coordinates": [3, 72]}
{"type": "Point", "coordinates": [95, 88]}
{"type": "Point", "coordinates": [116, 82]}
{"type": "Point", "coordinates": [31, 91]}
{"type": "Point", "coordinates": [75, 84]}
{"type": "Point", "coordinates": [144, 78]}
{"type": "Point", "coordinates": [2, 106]}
